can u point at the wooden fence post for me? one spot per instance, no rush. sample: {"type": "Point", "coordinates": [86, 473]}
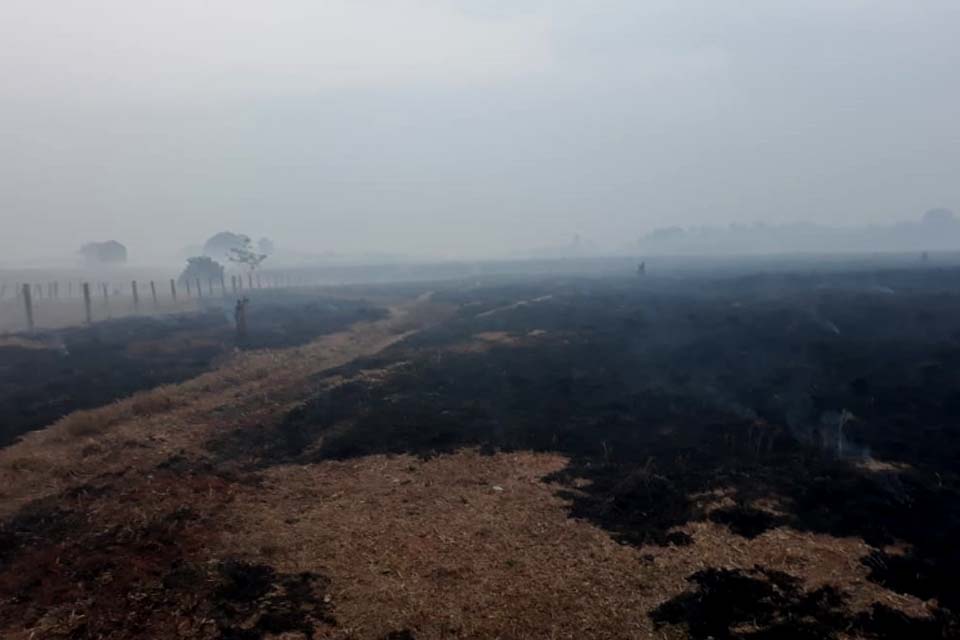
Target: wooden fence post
{"type": "Point", "coordinates": [240, 317]}
{"type": "Point", "coordinates": [136, 297]}
{"type": "Point", "coordinates": [173, 290]}
{"type": "Point", "coordinates": [199, 290]}
{"type": "Point", "coordinates": [86, 302]}
{"type": "Point", "coordinates": [153, 293]}
{"type": "Point", "coordinates": [28, 305]}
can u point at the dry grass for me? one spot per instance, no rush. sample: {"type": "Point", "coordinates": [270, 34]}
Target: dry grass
{"type": "Point", "coordinates": [473, 546]}
{"type": "Point", "coordinates": [81, 424]}
{"type": "Point", "coordinates": [464, 546]}
{"type": "Point", "coordinates": [154, 401]}
{"type": "Point", "coordinates": [21, 342]}
{"type": "Point", "coordinates": [145, 429]}
{"type": "Point", "coordinates": [85, 423]}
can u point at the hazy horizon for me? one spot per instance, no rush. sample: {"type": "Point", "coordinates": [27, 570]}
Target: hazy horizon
{"type": "Point", "coordinates": [429, 129]}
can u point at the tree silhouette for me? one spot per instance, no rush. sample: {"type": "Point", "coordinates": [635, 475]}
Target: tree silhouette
{"type": "Point", "coordinates": [245, 255]}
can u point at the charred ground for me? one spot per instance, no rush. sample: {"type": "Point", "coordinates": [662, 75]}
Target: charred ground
{"type": "Point", "coordinates": [681, 407]}
{"type": "Point", "coordinates": [680, 401]}
{"type": "Point", "coordinates": [48, 375]}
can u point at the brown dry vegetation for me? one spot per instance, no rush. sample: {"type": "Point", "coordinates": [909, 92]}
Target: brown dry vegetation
{"type": "Point", "coordinates": [477, 546]}
{"type": "Point", "coordinates": [152, 425]}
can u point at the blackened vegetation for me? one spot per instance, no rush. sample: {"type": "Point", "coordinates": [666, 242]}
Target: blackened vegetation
{"type": "Point", "coordinates": [762, 604]}
{"type": "Point", "coordinates": [88, 367]}
{"type": "Point", "coordinates": [96, 562]}
{"type": "Point", "coordinates": [253, 601]}
{"type": "Point", "coordinates": [278, 319]}
{"type": "Point", "coordinates": [686, 400]}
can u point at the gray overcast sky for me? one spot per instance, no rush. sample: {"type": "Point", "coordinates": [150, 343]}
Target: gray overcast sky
{"type": "Point", "coordinates": [461, 128]}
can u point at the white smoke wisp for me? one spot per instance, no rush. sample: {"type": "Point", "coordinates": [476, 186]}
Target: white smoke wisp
{"type": "Point", "coordinates": [832, 424]}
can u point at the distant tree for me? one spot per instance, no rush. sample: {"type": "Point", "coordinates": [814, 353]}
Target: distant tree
{"type": "Point", "coordinates": [203, 268]}
{"type": "Point", "coordinates": [939, 217]}
{"type": "Point", "coordinates": [109, 252]}
{"type": "Point", "coordinates": [245, 256]}
{"type": "Point", "coordinates": [219, 245]}
{"type": "Point", "coordinates": [266, 246]}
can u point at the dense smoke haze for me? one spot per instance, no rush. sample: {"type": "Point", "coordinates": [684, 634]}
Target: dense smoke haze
{"type": "Point", "coordinates": [443, 129]}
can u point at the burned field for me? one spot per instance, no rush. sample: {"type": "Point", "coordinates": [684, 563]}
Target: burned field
{"type": "Point", "coordinates": [753, 457]}
{"type": "Point", "coordinates": [821, 404]}
{"type": "Point", "coordinates": [46, 376]}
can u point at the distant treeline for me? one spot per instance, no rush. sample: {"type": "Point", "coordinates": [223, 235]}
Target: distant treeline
{"type": "Point", "coordinates": [937, 230]}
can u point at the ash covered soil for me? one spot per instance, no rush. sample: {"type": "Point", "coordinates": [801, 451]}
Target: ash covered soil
{"type": "Point", "coordinates": [772, 456]}
{"type": "Point", "coordinates": [46, 376]}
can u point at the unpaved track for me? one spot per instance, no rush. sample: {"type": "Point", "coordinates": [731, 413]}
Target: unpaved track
{"type": "Point", "coordinates": [142, 431]}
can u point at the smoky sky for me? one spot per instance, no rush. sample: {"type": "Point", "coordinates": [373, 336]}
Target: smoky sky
{"type": "Point", "coordinates": [453, 129]}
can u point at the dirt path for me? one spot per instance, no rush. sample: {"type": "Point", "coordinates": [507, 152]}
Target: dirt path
{"type": "Point", "coordinates": [514, 305]}
{"type": "Point", "coordinates": [144, 430]}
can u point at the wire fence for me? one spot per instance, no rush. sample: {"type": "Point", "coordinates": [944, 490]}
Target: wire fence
{"type": "Point", "coordinates": [28, 306]}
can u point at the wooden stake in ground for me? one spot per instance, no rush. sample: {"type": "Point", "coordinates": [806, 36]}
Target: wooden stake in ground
{"type": "Point", "coordinates": [106, 298]}
{"type": "Point", "coordinates": [153, 292]}
{"type": "Point", "coordinates": [173, 290]}
{"type": "Point", "coordinates": [250, 281]}
{"type": "Point", "coordinates": [199, 290]}
{"type": "Point", "coordinates": [210, 286]}
{"type": "Point", "coordinates": [86, 302]}
{"type": "Point", "coordinates": [28, 305]}
{"type": "Point", "coordinates": [189, 292]}
{"type": "Point", "coordinates": [136, 296]}
{"type": "Point", "coordinates": [233, 283]}
{"type": "Point", "coordinates": [240, 316]}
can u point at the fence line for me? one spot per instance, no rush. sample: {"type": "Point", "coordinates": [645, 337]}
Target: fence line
{"type": "Point", "coordinates": [66, 301]}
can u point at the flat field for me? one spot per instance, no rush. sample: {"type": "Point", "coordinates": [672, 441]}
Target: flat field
{"type": "Point", "coordinates": [753, 456]}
